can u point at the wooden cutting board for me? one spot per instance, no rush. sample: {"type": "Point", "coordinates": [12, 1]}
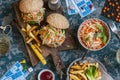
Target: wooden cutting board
{"type": "Point", "coordinates": [46, 51]}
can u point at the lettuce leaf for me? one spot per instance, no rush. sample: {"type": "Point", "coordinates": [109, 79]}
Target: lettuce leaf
{"type": "Point", "coordinates": [91, 73]}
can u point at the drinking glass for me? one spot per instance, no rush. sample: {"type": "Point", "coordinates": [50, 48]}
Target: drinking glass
{"type": "Point", "coordinates": [4, 39]}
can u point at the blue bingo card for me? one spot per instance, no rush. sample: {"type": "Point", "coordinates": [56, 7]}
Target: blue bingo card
{"type": "Point", "coordinates": [70, 7]}
{"type": "Point", "coordinates": [15, 73]}
{"type": "Point", "coordinates": [84, 7]}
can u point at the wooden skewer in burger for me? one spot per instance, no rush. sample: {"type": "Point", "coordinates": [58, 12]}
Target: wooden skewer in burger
{"type": "Point", "coordinates": [53, 34]}
{"type": "Point", "coordinates": [32, 10]}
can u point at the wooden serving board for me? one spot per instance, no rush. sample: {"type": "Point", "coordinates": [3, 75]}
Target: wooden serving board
{"type": "Point", "coordinates": [46, 51]}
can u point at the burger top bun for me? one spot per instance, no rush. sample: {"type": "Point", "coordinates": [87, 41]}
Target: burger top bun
{"type": "Point", "coordinates": [58, 21]}
{"type": "Point", "coordinates": [27, 6]}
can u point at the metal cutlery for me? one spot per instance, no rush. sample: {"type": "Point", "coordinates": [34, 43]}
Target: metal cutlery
{"type": "Point", "coordinates": [114, 29]}
{"type": "Point", "coordinates": [86, 52]}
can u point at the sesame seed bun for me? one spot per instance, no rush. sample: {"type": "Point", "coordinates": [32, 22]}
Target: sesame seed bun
{"type": "Point", "coordinates": [58, 21]}
{"type": "Point", "coordinates": [27, 6]}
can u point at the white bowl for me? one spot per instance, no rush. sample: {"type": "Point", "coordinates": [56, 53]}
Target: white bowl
{"type": "Point", "coordinates": [44, 71]}
{"type": "Point", "coordinates": [91, 60]}
{"type": "Point", "coordinates": [106, 28]}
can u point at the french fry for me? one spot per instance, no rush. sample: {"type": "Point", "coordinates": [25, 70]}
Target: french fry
{"type": "Point", "coordinates": [97, 65]}
{"type": "Point", "coordinates": [34, 32]}
{"type": "Point", "coordinates": [85, 64]}
{"type": "Point", "coordinates": [83, 76]}
{"type": "Point", "coordinates": [29, 40]}
{"type": "Point", "coordinates": [28, 27]}
{"type": "Point", "coordinates": [76, 67]}
{"type": "Point", "coordinates": [37, 32]}
{"type": "Point", "coordinates": [75, 64]}
{"type": "Point", "coordinates": [38, 48]}
{"type": "Point", "coordinates": [76, 72]}
{"type": "Point", "coordinates": [99, 73]}
{"type": "Point", "coordinates": [81, 64]}
{"type": "Point", "coordinates": [71, 70]}
{"type": "Point", "coordinates": [79, 76]}
{"type": "Point", "coordinates": [35, 38]}
{"type": "Point", "coordinates": [31, 29]}
{"type": "Point", "coordinates": [73, 77]}
{"type": "Point", "coordinates": [80, 72]}
{"type": "Point", "coordinates": [23, 29]}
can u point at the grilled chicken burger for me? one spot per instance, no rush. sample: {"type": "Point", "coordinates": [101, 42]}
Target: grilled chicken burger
{"type": "Point", "coordinates": [53, 35]}
{"type": "Point", "coordinates": [32, 10]}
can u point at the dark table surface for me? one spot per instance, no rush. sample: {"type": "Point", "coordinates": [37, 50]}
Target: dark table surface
{"type": "Point", "coordinates": [17, 51]}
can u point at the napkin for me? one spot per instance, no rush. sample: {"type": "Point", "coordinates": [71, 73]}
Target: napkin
{"type": "Point", "coordinates": [83, 7]}
{"type": "Point", "coordinates": [17, 72]}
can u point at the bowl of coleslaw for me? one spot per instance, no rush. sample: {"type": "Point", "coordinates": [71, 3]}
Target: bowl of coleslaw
{"type": "Point", "coordinates": [94, 34]}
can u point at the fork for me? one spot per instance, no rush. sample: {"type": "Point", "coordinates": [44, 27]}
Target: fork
{"type": "Point", "coordinates": [86, 52]}
{"type": "Point", "coordinates": [114, 29]}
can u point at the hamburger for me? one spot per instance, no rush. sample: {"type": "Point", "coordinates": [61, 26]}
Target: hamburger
{"type": "Point", "coordinates": [32, 10]}
{"type": "Point", "coordinates": [53, 34]}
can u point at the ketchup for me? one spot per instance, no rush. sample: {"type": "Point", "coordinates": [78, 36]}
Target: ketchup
{"type": "Point", "coordinates": [91, 6]}
{"type": "Point", "coordinates": [46, 75]}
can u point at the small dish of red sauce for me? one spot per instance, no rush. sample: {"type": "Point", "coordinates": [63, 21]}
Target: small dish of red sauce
{"type": "Point", "coordinates": [46, 74]}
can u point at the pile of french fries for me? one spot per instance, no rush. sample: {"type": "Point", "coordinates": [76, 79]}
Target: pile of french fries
{"type": "Point", "coordinates": [77, 70]}
{"type": "Point", "coordinates": [31, 34]}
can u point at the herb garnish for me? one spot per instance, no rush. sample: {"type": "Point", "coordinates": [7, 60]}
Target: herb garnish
{"type": "Point", "coordinates": [102, 33]}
